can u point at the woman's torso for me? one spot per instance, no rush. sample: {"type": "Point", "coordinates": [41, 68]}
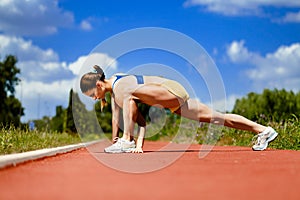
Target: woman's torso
{"type": "Point", "coordinates": [126, 85]}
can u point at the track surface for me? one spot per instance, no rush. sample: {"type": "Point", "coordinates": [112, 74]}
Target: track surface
{"type": "Point", "coordinates": [224, 173]}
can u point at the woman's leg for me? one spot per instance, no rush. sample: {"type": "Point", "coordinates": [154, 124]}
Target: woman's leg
{"type": "Point", "coordinates": [193, 109]}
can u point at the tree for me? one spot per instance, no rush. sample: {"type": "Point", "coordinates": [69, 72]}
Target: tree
{"type": "Point", "coordinates": [85, 121]}
{"type": "Point", "coordinates": [42, 124]}
{"type": "Point", "coordinates": [276, 105]}
{"type": "Point", "coordinates": [105, 116]}
{"type": "Point", "coordinates": [11, 109]}
{"type": "Point", "coordinates": [69, 125]}
{"type": "Point", "coordinates": [56, 123]}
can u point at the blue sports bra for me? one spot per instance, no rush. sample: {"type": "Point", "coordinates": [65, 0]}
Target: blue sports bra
{"type": "Point", "coordinates": [139, 79]}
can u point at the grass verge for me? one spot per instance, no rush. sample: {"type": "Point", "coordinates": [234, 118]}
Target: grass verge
{"type": "Point", "coordinates": [15, 140]}
{"type": "Point", "coordinates": [288, 136]}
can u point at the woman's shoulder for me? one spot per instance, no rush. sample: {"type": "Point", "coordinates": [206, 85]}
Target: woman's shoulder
{"type": "Point", "coordinates": [119, 74]}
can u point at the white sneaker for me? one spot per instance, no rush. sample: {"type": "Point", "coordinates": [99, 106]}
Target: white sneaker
{"type": "Point", "coordinates": [121, 146]}
{"type": "Point", "coordinates": [264, 138]}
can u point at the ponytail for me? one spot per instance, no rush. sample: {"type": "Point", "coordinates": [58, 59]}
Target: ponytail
{"type": "Point", "coordinates": [99, 71]}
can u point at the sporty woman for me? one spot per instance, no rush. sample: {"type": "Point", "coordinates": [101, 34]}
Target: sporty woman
{"type": "Point", "coordinates": [128, 90]}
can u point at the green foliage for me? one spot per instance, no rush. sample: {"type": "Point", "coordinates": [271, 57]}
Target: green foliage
{"type": "Point", "coordinates": [105, 116]}
{"type": "Point", "coordinates": [74, 119]}
{"type": "Point", "coordinates": [43, 124]}
{"type": "Point", "coordinates": [276, 105]}
{"type": "Point", "coordinates": [69, 125]}
{"type": "Point", "coordinates": [9, 77]}
{"type": "Point", "coordinates": [11, 109]}
{"type": "Point", "coordinates": [56, 123]}
{"type": "Point", "coordinates": [86, 122]}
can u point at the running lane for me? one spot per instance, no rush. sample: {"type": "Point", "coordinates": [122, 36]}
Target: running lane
{"type": "Point", "coordinates": [225, 173]}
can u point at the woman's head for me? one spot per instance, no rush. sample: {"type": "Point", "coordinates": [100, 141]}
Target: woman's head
{"type": "Point", "coordinates": [90, 85]}
{"type": "Point", "coordinates": [88, 81]}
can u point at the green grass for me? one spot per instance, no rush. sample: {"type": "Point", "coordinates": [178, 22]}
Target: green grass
{"type": "Point", "coordinates": [15, 140]}
{"type": "Point", "coordinates": [288, 136]}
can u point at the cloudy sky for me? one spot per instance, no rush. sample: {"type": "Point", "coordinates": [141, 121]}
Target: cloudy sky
{"type": "Point", "coordinates": [254, 44]}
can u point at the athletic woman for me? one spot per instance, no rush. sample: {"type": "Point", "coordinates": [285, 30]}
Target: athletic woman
{"type": "Point", "coordinates": [128, 90]}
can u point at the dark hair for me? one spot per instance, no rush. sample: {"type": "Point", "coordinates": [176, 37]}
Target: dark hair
{"type": "Point", "coordinates": [88, 80]}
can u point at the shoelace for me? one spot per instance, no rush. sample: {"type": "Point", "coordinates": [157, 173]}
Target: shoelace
{"type": "Point", "coordinates": [117, 142]}
{"type": "Point", "coordinates": [260, 138]}
{"type": "Point", "coordinates": [256, 140]}
{"type": "Point", "coordinates": [116, 139]}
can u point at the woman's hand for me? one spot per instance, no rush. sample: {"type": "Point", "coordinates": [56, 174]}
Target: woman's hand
{"type": "Point", "coordinates": [137, 150]}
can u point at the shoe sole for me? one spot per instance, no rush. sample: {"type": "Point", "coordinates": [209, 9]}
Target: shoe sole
{"type": "Point", "coordinates": [127, 150]}
{"type": "Point", "coordinates": [269, 140]}
{"type": "Point", "coordinates": [113, 151]}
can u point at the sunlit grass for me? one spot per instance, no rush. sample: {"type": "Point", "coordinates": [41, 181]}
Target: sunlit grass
{"type": "Point", "coordinates": [288, 135]}
{"type": "Point", "coordinates": [16, 140]}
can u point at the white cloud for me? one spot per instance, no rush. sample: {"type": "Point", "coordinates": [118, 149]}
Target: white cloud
{"type": "Point", "coordinates": [47, 72]}
{"type": "Point", "coordinates": [55, 91]}
{"type": "Point", "coordinates": [225, 104]}
{"type": "Point", "coordinates": [291, 17]}
{"type": "Point", "coordinates": [230, 7]}
{"type": "Point", "coordinates": [24, 49]}
{"type": "Point", "coordinates": [33, 17]}
{"type": "Point", "coordinates": [245, 7]}
{"type": "Point", "coordinates": [280, 69]}
{"type": "Point", "coordinates": [44, 77]}
{"type": "Point", "coordinates": [85, 63]}
{"type": "Point", "coordinates": [36, 64]}
{"type": "Point", "coordinates": [237, 52]}
{"type": "Point", "coordinates": [86, 25]}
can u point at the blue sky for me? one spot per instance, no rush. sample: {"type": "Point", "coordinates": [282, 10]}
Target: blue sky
{"type": "Point", "coordinates": [254, 44]}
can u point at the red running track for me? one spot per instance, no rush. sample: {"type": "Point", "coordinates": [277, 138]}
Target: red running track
{"type": "Point", "coordinates": [224, 173]}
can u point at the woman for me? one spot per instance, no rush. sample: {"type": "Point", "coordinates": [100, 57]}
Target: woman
{"type": "Point", "coordinates": [127, 90]}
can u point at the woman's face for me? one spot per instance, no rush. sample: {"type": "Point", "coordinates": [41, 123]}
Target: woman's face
{"type": "Point", "coordinates": [98, 92]}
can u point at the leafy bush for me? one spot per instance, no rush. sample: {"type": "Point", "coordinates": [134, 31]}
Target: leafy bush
{"type": "Point", "coordinates": [276, 105]}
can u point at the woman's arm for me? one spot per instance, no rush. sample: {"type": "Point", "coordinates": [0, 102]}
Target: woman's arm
{"type": "Point", "coordinates": [131, 116]}
{"type": "Point", "coordinates": [130, 111]}
{"type": "Point", "coordinates": [141, 133]}
{"type": "Point", "coordinates": [140, 140]}
{"type": "Point", "coordinates": [115, 118]}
